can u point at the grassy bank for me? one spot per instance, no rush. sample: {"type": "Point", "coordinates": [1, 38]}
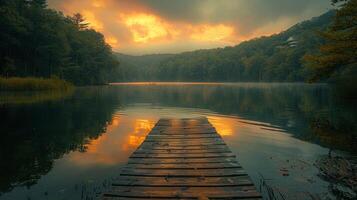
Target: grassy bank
{"type": "Point", "coordinates": [33, 97]}
{"type": "Point", "coordinates": [33, 84]}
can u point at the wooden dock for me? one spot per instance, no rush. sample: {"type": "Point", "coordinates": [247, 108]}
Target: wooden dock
{"type": "Point", "coordinates": [183, 159]}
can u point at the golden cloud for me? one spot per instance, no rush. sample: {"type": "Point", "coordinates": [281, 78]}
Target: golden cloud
{"type": "Point", "coordinates": [112, 41]}
{"type": "Point", "coordinates": [212, 32]}
{"type": "Point", "coordinates": [92, 20]}
{"type": "Point", "coordinates": [146, 27]}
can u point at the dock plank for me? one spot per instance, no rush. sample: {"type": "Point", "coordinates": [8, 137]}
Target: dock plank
{"type": "Point", "coordinates": [183, 182]}
{"type": "Point", "coordinates": [185, 165]}
{"type": "Point", "coordinates": [182, 159]}
{"type": "Point", "coordinates": [184, 192]}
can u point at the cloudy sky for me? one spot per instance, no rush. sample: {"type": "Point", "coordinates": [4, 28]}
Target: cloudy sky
{"type": "Point", "coordinates": [171, 26]}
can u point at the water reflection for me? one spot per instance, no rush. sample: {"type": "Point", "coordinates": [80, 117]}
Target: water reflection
{"type": "Point", "coordinates": [308, 112]}
{"type": "Point", "coordinates": [223, 126]}
{"type": "Point", "coordinates": [121, 138]}
{"type": "Point", "coordinates": [13, 98]}
{"type": "Point", "coordinates": [53, 147]}
{"type": "Point", "coordinates": [34, 135]}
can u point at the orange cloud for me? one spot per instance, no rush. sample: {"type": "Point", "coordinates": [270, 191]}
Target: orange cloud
{"type": "Point", "coordinates": [92, 20]}
{"type": "Point", "coordinates": [173, 26]}
{"type": "Point", "coordinates": [98, 3]}
{"type": "Point", "coordinates": [112, 41]}
{"type": "Point", "coordinates": [212, 32]}
{"type": "Point", "coordinates": [134, 26]}
{"type": "Point", "coordinates": [145, 27]}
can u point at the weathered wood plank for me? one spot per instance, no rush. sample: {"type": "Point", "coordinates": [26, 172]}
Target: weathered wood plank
{"type": "Point", "coordinates": [183, 173]}
{"type": "Point", "coordinates": [198, 147]}
{"type": "Point", "coordinates": [188, 155]}
{"type": "Point", "coordinates": [180, 145]}
{"type": "Point", "coordinates": [183, 159]}
{"type": "Point", "coordinates": [178, 198]}
{"type": "Point", "coordinates": [184, 192]}
{"type": "Point", "coordinates": [186, 140]}
{"type": "Point", "coordinates": [185, 143]}
{"type": "Point", "coordinates": [183, 182]}
{"type": "Point", "coordinates": [181, 151]}
{"type": "Point", "coordinates": [185, 165]}
{"type": "Point", "coordinates": [182, 136]}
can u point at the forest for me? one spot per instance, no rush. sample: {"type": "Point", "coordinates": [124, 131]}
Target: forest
{"type": "Point", "coordinates": [275, 58]}
{"type": "Point", "coordinates": [320, 49]}
{"type": "Point", "coordinates": [36, 41]}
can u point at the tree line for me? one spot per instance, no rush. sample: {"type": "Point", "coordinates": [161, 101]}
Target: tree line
{"type": "Point", "coordinates": [266, 59]}
{"type": "Point", "coordinates": [320, 49]}
{"type": "Point", "coordinates": [41, 42]}
{"type": "Point", "coordinates": [274, 58]}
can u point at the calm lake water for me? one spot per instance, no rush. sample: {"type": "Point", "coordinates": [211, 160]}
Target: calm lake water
{"type": "Point", "coordinates": [72, 147]}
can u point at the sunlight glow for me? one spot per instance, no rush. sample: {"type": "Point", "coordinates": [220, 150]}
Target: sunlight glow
{"type": "Point", "coordinates": [141, 128]}
{"type": "Point", "coordinates": [224, 126]}
{"type": "Point", "coordinates": [140, 27]}
{"type": "Point", "coordinates": [92, 20]}
{"type": "Point", "coordinates": [212, 32]}
{"type": "Point", "coordinates": [112, 41]}
{"type": "Point", "coordinates": [98, 3]}
{"type": "Point", "coordinates": [146, 27]}
{"type": "Point", "coordinates": [121, 138]}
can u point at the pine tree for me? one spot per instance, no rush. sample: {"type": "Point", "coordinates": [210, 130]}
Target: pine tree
{"type": "Point", "coordinates": [38, 3]}
{"type": "Point", "coordinates": [340, 50]}
{"type": "Point", "coordinates": [79, 21]}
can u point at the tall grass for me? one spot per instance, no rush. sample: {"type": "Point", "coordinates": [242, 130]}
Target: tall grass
{"type": "Point", "coordinates": [33, 97]}
{"type": "Point", "coordinates": [33, 84]}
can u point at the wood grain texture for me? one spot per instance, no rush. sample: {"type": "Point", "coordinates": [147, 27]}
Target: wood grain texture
{"type": "Point", "coordinates": [182, 159]}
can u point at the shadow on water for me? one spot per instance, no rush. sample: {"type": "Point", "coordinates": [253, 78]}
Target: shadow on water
{"type": "Point", "coordinates": [34, 135]}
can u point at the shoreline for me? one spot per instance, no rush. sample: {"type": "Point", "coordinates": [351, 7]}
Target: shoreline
{"type": "Point", "coordinates": [24, 84]}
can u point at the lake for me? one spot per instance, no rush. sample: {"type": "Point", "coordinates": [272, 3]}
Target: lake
{"type": "Point", "coordinates": [73, 147]}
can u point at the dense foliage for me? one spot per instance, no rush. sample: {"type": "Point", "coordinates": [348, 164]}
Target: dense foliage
{"type": "Point", "coordinates": [41, 42]}
{"type": "Point", "coordinates": [338, 57]}
{"type": "Point", "coordinates": [139, 68]}
{"type": "Point", "coordinates": [274, 58]}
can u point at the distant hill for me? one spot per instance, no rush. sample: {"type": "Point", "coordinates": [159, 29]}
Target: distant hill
{"type": "Point", "coordinates": [143, 61]}
{"type": "Point", "coordinates": [138, 68]}
{"type": "Point", "coordinates": [274, 58]}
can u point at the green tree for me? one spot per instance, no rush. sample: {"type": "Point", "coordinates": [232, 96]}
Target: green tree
{"type": "Point", "coordinates": [79, 21]}
{"type": "Point", "coordinates": [339, 54]}
{"type": "Point", "coordinates": [42, 42]}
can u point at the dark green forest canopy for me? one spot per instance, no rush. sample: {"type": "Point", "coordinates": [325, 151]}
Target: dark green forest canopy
{"type": "Point", "coordinates": [41, 42]}
{"type": "Point", "coordinates": [337, 58]}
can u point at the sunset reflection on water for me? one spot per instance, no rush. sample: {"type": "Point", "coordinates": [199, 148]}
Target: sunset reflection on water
{"type": "Point", "coordinates": [122, 136]}
{"type": "Point", "coordinates": [224, 126]}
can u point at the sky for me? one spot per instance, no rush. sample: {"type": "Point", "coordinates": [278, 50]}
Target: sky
{"type": "Point", "coordinates": [140, 27]}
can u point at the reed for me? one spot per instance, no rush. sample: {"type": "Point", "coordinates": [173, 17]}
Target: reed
{"type": "Point", "coordinates": [33, 84]}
